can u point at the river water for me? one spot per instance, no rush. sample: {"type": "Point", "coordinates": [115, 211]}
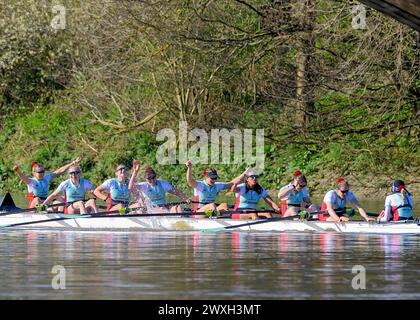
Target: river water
{"type": "Point", "coordinates": [196, 265]}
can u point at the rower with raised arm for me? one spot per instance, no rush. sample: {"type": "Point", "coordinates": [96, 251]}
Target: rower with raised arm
{"type": "Point", "coordinates": [398, 205]}
{"type": "Point", "coordinates": [248, 195]}
{"type": "Point", "coordinates": [118, 195]}
{"type": "Point", "coordinates": [154, 191]}
{"type": "Point", "coordinates": [74, 190]}
{"type": "Point", "coordinates": [205, 191]}
{"type": "Point", "coordinates": [39, 183]}
{"type": "Point", "coordinates": [335, 202]}
{"type": "Point", "coordinates": [295, 195]}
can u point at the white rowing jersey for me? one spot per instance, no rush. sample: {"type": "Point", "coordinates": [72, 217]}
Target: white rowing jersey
{"type": "Point", "coordinates": [395, 208]}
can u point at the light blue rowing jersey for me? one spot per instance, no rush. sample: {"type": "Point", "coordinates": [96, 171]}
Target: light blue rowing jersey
{"type": "Point", "coordinates": [75, 193]}
{"type": "Point", "coordinates": [40, 187]}
{"type": "Point", "coordinates": [119, 190]}
{"type": "Point", "coordinates": [248, 199]}
{"type": "Point", "coordinates": [205, 193]}
{"type": "Point", "coordinates": [156, 194]}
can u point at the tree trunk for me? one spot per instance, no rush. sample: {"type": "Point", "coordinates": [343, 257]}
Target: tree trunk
{"type": "Point", "coordinates": [305, 14]}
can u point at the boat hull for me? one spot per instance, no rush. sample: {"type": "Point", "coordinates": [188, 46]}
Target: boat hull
{"type": "Point", "coordinates": [171, 223]}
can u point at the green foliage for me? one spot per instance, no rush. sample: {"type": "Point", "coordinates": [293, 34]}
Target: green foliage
{"type": "Point", "coordinates": [89, 89]}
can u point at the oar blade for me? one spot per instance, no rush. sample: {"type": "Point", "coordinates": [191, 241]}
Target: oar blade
{"type": "Point", "coordinates": [7, 203]}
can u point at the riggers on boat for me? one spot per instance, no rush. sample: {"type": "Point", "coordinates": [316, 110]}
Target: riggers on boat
{"type": "Point", "coordinates": [177, 222]}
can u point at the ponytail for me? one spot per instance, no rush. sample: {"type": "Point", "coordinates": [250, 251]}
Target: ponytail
{"type": "Point", "coordinates": [403, 194]}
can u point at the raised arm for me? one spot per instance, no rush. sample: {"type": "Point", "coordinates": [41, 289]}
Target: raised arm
{"type": "Point", "coordinates": [234, 188]}
{"type": "Point", "coordinates": [132, 184]}
{"type": "Point", "coordinates": [64, 168]}
{"type": "Point", "coordinates": [237, 180]}
{"type": "Point", "coordinates": [22, 177]}
{"type": "Point", "coordinates": [284, 192]}
{"type": "Point", "coordinates": [191, 182]}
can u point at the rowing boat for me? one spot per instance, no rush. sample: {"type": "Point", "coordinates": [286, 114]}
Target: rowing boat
{"type": "Point", "coordinates": [136, 222]}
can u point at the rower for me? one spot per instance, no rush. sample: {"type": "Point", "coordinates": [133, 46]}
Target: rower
{"type": "Point", "coordinates": [154, 190]}
{"type": "Point", "coordinates": [335, 203]}
{"type": "Point", "coordinates": [118, 195]}
{"type": "Point", "coordinates": [39, 184]}
{"type": "Point", "coordinates": [248, 195]}
{"type": "Point", "coordinates": [205, 192]}
{"type": "Point", "coordinates": [295, 195]}
{"type": "Point", "coordinates": [74, 189]}
{"type": "Point", "coordinates": [398, 205]}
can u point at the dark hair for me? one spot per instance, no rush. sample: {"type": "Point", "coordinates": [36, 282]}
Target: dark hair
{"type": "Point", "coordinates": [149, 170]}
{"type": "Point", "coordinates": [342, 184]}
{"type": "Point", "coordinates": [257, 188]}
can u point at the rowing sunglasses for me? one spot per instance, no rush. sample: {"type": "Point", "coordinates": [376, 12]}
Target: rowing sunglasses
{"type": "Point", "coordinates": [302, 185]}
{"type": "Point", "coordinates": [150, 177]}
{"type": "Point", "coordinates": [40, 171]}
{"type": "Point", "coordinates": [253, 177]}
{"type": "Point", "coordinates": [74, 173]}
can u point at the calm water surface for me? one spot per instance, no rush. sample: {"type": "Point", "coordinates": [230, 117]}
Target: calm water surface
{"type": "Point", "coordinates": [195, 265]}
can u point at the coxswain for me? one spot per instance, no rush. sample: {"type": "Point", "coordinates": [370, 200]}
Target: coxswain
{"type": "Point", "coordinates": [398, 205]}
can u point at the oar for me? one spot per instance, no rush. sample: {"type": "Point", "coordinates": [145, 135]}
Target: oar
{"type": "Point", "coordinates": [302, 215]}
{"type": "Point", "coordinates": [189, 202]}
{"type": "Point", "coordinates": [37, 208]}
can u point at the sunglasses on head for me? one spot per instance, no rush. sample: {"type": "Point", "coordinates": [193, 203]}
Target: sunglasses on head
{"type": "Point", "coordinates": [74, 172]}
